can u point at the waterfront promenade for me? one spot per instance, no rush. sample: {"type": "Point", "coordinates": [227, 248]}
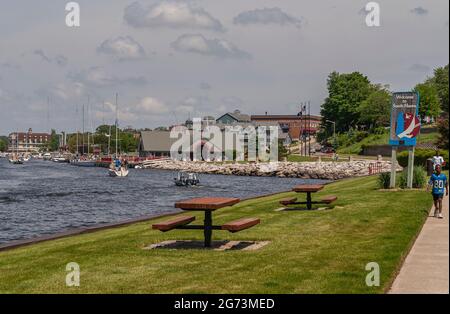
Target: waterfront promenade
{"type": "Point", "coordinates": [426, 269]}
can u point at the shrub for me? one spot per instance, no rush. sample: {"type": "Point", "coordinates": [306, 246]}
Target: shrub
{"type": "Point", "coordinates": [443, 130]}
{"type": "Point", "coordinates": [419, 178]}
{"type": "Point", "coordinates": [421, 156]}
{"type": "Point", "coordinates": [384, 180]}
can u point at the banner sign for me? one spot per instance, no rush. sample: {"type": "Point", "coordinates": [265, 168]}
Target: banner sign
{"type": "Point", "coordinates": [405, 122]}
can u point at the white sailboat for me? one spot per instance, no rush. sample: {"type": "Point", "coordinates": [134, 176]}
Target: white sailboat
{"type": "Point", "coordinates": [14, 158]}
{"type": "Point", "coordinates": [122, 170]}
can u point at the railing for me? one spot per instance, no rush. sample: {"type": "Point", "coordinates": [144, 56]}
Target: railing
{"type": "Point", "coordinates": [376, 167]}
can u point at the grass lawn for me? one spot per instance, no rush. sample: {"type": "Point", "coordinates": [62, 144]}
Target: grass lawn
{"type": "Point", "coordinates": [310, 252]}
{"type": "Point", "coordinates": [383, 139]}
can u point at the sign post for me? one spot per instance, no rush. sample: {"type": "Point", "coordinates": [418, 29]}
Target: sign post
{"type": "Point", "coordinates": [405, 127]}
{"type": "Point", "coordinates": [393, 167]}
{"type": "Point", "coordinates": [410, 167]}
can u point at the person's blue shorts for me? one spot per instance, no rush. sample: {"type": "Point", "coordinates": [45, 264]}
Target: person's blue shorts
{"type": "Point", "coordinates": [438, 196]}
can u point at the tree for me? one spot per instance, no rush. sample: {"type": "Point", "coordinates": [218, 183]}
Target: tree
{"type": "Point", "coordinates": [3, 144]}
{"type": "Point", "coordinates": [443, 130]}
{"type": "Point", "coordinates": [53, 143]}
{"type": "Point", "coordinates": [429, 100]}
{"type": "Point", "coordinates": [346, 93]}
{"type": "Point", "coordinates": [128, 143]}
{"type": "Point", "coordinates": [375, 111]}
{"type": "Point", "coordinates": [282, 151]}
{"type": "Point", "coordinates": [440, 81]}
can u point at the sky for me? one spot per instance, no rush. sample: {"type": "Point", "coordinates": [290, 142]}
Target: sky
{"type": "Point", "coordinates": [169, 60]}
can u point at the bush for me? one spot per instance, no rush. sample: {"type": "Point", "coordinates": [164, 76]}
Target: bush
{"type": "Point", "coordinates": [443, 130]}
{"type": "Point", "coordinates": [420, 157]}
{"type": "Point", "coordinates": [384, 180]}
{"type": "Point", "coordinates": [419, 178]}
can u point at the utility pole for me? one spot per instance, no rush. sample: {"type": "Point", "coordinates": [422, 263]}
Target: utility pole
{"type": "Point", "coordinates": [300, 131]}
{"type": "Point", "coordinates": [309, 128]}
{"type": "Point", "coordinates": [334, 132]}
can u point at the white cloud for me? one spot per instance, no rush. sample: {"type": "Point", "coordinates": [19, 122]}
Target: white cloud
{"type": "Point", "coordinates": [150, 105]}
{"type": "Point", "coordinates": [267, 16]}
{"type": "Point", "coordinates": [122, 48]}
{"type": "Point", "coordinates": [419, 11]}
{"type": "Point", "coordinates": [145, 109]}
{"type": "Point", "coordinates": [98, 77]}
{"type": "Point", "coordinates": [171, 14]}
{"type": "Point", "coordinates": [59, 60]}
{"type": "Point", "coordinates": [196, 43]}
{"type": "Point", "coordinates": [63, 91]}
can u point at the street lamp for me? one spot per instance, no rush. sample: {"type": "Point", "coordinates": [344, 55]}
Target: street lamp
{"type": "Point", "coordinates": [334, 132]}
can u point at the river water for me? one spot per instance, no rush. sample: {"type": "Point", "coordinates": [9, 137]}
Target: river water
{"type": "Point", "coordinates": [41, 197]}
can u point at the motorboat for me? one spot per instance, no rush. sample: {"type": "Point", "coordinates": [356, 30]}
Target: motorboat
{"type": "Point", "coordinates": [121, 172]}
{"type": "Point", "coordinates": [186, 179]}
{"type": "Point", "coordinates": [16, 160]}
{"type": "Point", "coordinates": [47, 156]}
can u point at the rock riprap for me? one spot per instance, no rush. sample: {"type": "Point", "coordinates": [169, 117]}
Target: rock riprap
{"type": "Point", "coordinates": [305, 170]}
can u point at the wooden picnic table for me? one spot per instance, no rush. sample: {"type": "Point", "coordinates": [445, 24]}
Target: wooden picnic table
{"type": "Point", "coordinates": [208, 205]}
{"type": "Point", "coordinates": [308, 189]}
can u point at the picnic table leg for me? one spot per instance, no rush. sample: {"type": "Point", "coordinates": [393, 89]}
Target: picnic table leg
{"type": "Point", "coordinates": [308, 200]}
{"type": "Point", "coordinates": [208, 228]}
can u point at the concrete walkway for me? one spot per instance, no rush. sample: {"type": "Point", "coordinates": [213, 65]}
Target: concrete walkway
{"type": "Point", "coordinates": [426, 268]}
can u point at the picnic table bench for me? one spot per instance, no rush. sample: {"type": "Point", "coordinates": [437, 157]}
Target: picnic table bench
{"type": "Point", "coordinates": [207, 205]}
{"type": "Point", "coordinates": [308, 189]}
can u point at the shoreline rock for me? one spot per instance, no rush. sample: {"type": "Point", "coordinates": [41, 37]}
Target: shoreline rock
{"type": "Point", "coordinates": [304, 170]}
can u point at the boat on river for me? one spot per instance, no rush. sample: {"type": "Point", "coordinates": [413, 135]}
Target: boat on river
{"type": "Point", "coordinates": [121, 172]}
{"type": "Point", "coordinates": [83, 162]}
{"type": "Point", "coordinates": [186, 179]}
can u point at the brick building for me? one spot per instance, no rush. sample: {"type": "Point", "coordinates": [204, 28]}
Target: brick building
{"type": "Point", "coordinates": [293, 124]}
{"type": "Point", "coordinates": [27, 141]}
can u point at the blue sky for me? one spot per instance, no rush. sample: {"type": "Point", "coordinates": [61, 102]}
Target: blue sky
{"type": "Point", "coordinates": [172, 59]}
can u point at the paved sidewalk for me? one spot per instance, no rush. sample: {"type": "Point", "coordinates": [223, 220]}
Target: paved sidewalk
{"type": "Point", "coordinates": [426, 268]}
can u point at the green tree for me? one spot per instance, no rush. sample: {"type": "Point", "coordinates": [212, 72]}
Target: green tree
{"type": "Point", "coordinates": [3, 144]}
{"type": "Point", "coordinates": [282, 151]}
{"type": "Point", "coordinates": [440, 81]}
{"type": "Point", "coordinates": [429, 100]}
{"type": "Point", "coordinates": [443, 130]}
{"type": "Point", "coordinates": [346, 93]}
{"type": "Point", "coordinates": [375, 111]}
{"type": "Point", "coordinates": [128, 143]}
{"type": "Point", "coordinates": [53, 143]}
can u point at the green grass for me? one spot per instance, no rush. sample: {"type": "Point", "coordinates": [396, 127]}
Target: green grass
{"type": "Point", "coordinates": [383, 139]}
{"type": "Point", "coordinates": [298, 158]}
{"type": "Point", "coordinates": [310, 252]}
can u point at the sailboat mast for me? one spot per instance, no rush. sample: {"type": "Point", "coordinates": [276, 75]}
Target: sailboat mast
{"type": "Point", "coordinates": [88, 131]}
{"type": "Point", "coordinates": [117, 125]}
{"type": "Point", "coordinates": [83, 130]}
{"type": "Point", "coordinates": [76, 126]}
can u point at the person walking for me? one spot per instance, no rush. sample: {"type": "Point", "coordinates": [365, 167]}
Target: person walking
{"type": "Point", "coordinates": [438, 183]}
{"type": "Point", "coordinates": [437, 160]}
